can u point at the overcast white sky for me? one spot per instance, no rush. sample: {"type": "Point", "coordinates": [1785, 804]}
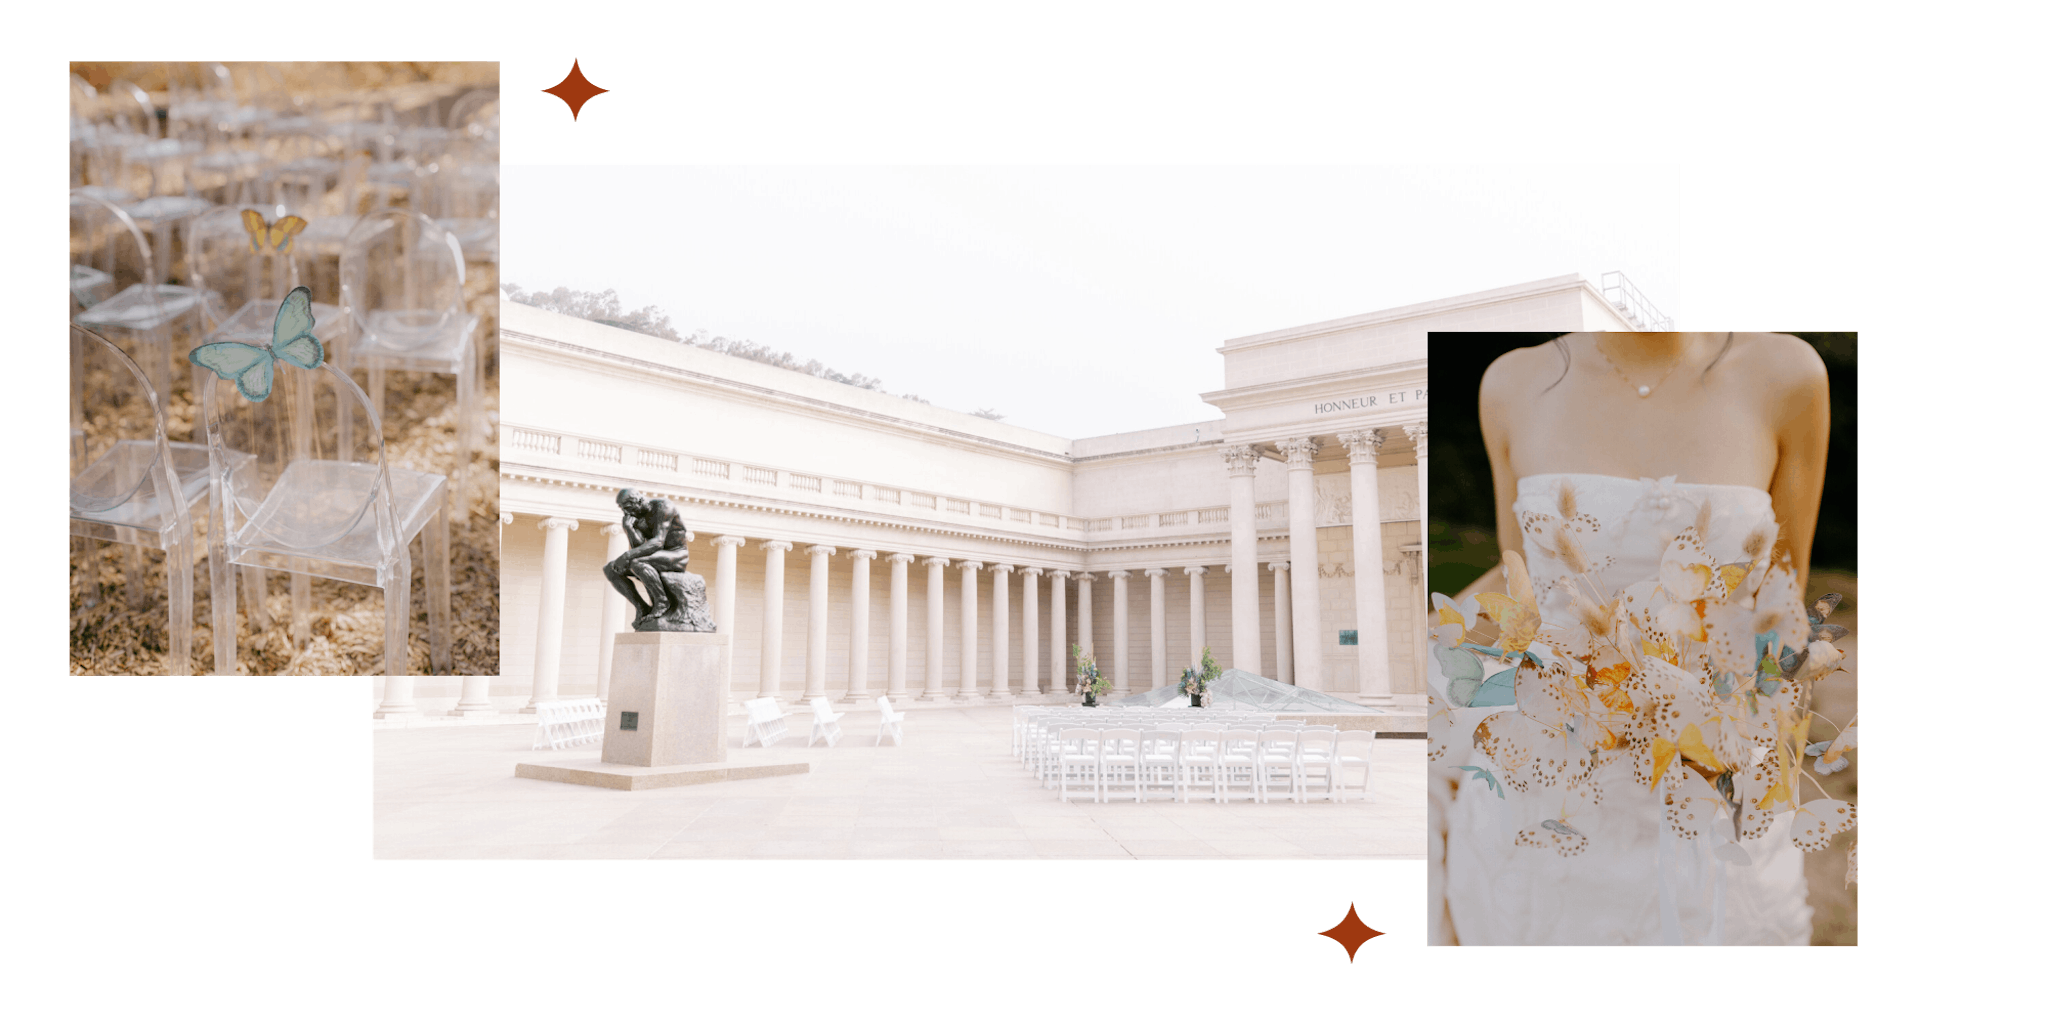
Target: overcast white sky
{"type": "Point", "coordinates": [1078, 301]}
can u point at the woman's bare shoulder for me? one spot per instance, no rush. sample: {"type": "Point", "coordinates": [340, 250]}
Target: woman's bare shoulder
{"type": "Point", "coordinates": [1782, 364]}
{"type": "Point", "coordinates": [1517, 371]}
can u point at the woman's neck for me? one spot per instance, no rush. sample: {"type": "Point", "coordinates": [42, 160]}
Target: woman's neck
{"type": "Point", "coordinates": [1649, 347]}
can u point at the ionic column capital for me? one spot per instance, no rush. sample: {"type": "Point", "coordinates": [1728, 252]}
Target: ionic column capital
{"type": "Point", "coordinates": [1240, 459]}
{"type": "Point", "coordinates": [504, 519]}
{"type": "Point", "coordinates": [1155, 573]}
{"type": "Point", "coordinates": [1364, 445]}
{"type": "Point", "coordinates": [1300, 451]}
{"type": "Point", "coordinates": [1278, 566]}
{"type": "Point", "coordinates": [935, 562]}
{"type": "Point", "coordinates": [1200, 570]}
{"type": "Point", "coordinates": [970, 566]}
{"type": "Point", "coordinates": [557, 523]}
{"type": "Point", "coordinates": [859, 554]}
{"type": "Point", "coordinates": [1086, 577]}
{"type": "Point", "coordinates": [730, 540]}
{"type": "Point", "coordinates": [820, 550]}
{"type": "Point", "coordinates": [776, 545]}
{"type": "Point", "coordinates": [1003, 568]}
{"type": "Point", "coordinates": [902, 558]}
{"type": "Point", "coordinates": [1060, 574]}
{"type": "Point", "coordinates": [1032, 570]}
{"type": "Point", "coordinates": [611, 530]}
{"type": "Point", "coordinates": [1419, 433]}
{"type": "Point", "coordinates": [1119, 574]}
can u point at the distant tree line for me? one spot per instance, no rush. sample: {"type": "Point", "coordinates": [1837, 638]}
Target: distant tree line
{"type": "Point", "coordinates": [605, 308]}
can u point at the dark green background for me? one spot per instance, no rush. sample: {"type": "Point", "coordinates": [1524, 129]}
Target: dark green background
{"type": "Point", "coordinates": [201, 848]}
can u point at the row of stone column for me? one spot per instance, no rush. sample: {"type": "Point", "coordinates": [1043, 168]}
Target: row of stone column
{"type": "Point", "coordinates": [1298, 608]}
{"type": "Point", "coordinates": [1305, 666]}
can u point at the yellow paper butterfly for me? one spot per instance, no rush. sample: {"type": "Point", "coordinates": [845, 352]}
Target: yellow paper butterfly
{"type": "Point", "coordinates": [1516, 610]}
{"type": "Point", "coordinates": [271, 237]}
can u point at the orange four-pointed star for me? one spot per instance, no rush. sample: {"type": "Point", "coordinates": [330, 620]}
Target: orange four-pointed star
{"type": "Point", "coordinates": [575, 90]}
{"type": "Point", "coordinates": [1352, 933]}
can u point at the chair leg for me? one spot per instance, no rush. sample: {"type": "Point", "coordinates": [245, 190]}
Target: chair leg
{"type": "Point", "coordinates": [398, 616]}
{"type": "Point", "coordinates": [465, 425]}
{"type": "Point", "coordinates": [302, 609]}
{"type": "Point", "coordinates": [221, 582]}
{"type": "Point", "coordinates": [255, 597]}
{"type": "Point", "coordinates": [178, 576]}
{"type": "Point", "coordinates": [434, 549]}
{"type": "Point", "coordinates": [138, 570]}
{"type": "Point", "coordinates": [89, 560]}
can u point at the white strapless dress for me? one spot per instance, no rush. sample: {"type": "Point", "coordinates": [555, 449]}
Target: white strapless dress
{"type": "Point", "coordinates": [1634, 883]}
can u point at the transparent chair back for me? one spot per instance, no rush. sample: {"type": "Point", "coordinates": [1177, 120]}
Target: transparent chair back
{"type": "Point", "coordinates": [126, 482]}
{"type": "Point", "coordinates": [235, 273]}
{"type": "Point", "coordinates": [315, 498]}
{"type": "Point", "coordinates": [402, 283]}
{"type": "Point", "coordinates": [116, 290]}
{"type": "Point", "coordinates": [401, 280]}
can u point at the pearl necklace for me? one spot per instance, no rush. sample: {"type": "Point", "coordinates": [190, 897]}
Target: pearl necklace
{"type": "Point", "coordinates": [1642, 390]}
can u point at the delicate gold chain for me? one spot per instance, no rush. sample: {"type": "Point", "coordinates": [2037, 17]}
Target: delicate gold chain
{"type": "Point", "coordinates": [1642, 390]}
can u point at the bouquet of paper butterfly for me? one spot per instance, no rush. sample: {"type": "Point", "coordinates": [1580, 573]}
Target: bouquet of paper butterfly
{"type": "Point", "coordinates": [1700, 680]}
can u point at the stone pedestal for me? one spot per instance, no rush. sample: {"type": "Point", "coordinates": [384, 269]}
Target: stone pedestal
{"type": "Point", "coordinates": [675, 686]}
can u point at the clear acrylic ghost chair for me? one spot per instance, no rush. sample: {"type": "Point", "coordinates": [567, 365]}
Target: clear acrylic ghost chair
{"type": "Point", "coordinates": [317, 498]}
{"type": "Point", "coordinates": [243, 290]}
{"type": "Point", "coordinates": [142, 313]}
{"type": "Point", "coordinates": [129, 484]}
{"type": "Point", "coordinates": [402, 281]}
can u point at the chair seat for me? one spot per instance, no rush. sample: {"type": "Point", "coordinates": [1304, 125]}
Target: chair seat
{"type": "Point", "coordinates": [407, 340]}
{"type": "Point", "coordinates": [126, 462]}
{"type": "Point", "coordinates": [167, 208]}
{"type": "Point", "coordinates": [133, 309]}
{"type": "Point", "coordinates": [315, 520]}
{"type": "Point", "coordinates": [253, 323]}
{"type": "Point", "coordinates": [90, 286]}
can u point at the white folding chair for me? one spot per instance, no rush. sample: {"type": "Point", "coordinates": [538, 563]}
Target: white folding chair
{"type": "Point", "coordinates": [1238, 761]}
{"type": "Point", "coordinates": [1316, 755]}
{"type": "Point", "coordinates": [1354, 750]}
{"type": "Point", "coordinates": [1200, 750]}
{"type": "Point", "coordinates": [765, 724]}
{"type": "Point", "coordinates": [1076, 748]}
{"type": "Point", "coordinates": [1159, 760]}
{"type": "Point", "coordinates": [1116, 758]}
{"type": "Point", "coordinates": [892, 722]}
{"type": "Point", "coordinates": [1276, 757]}
{"type": "Point", "coordinates": [824, 722]}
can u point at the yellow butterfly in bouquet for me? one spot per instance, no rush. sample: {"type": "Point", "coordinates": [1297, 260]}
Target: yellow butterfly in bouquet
{"type": "Point", "coordinates": [271, 236]}
{"type": "Point", "coordinates": [1516, 610]}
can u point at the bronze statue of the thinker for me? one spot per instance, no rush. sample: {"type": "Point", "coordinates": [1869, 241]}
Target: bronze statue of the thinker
{"type": "Point", "coordinates": [657, 555]}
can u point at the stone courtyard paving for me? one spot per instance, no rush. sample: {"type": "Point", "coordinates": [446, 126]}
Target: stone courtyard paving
{"type": "Point", "coordinates": [953, 790]}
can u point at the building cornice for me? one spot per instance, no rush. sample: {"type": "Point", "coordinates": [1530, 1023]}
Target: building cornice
{"type": "Point", "coordinates": [624, 365]}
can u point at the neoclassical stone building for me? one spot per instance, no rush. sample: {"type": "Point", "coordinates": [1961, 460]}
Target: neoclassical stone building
{"type": "Point", "coordinates": [859, 544]}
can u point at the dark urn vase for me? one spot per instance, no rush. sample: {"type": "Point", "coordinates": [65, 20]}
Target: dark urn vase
{"type": "Point", "coordinates": [1088, 699]}
{"type": "Point", "coordinates": [1195, 700]}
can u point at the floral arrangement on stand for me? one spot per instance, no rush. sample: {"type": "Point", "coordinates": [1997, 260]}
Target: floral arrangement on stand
{"type": "Point", "coordinates": [1089, 676]}
{"type": "Point", "coordinates": [1700, 680]}
{"type": "Point", "coordinates": [1194, 681]}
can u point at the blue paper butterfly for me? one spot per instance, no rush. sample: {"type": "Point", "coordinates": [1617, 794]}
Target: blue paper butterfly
{"type": "Point", "coordinates": [250, 367]}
